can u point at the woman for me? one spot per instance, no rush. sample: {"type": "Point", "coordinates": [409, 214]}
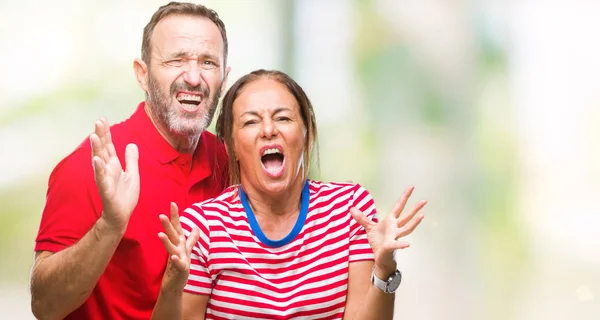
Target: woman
{"type": "Point", "coordinates": [276, 245]}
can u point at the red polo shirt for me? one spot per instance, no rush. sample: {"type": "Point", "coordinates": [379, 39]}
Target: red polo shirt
{"type": "Point", "coordinates": [129, 287]}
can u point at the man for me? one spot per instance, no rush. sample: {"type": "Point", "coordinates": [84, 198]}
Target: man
{"type": "Point", "coordinates": [98, 255]}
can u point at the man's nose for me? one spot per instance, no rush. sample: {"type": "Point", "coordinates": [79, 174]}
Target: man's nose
{"type": "Point", "coordinates": [192, 74]}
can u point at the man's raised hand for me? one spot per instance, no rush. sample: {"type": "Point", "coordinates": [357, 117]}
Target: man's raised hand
{"type": "Point", "coordinates": [119, 188]}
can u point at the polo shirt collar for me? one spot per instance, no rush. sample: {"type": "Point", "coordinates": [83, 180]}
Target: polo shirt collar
{"type": "Point", "coordinates": [201, 160]}
{"type": "Point", "coordinates": [160, 148]}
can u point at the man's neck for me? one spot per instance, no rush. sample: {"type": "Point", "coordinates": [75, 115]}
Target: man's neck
{"type": "Point", "coordinates": [181, 143]}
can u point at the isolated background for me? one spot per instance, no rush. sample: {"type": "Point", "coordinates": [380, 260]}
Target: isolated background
{"type": "Point", "coordinates": [491, 108]}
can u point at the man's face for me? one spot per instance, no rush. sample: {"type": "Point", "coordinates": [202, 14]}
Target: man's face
{"type": "Point", "coordinates": [185, 74]}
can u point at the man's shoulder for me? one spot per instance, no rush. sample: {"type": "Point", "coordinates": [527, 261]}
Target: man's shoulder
{"type": "Point", "coordinates": [122, 132]}
{"type": "Point", "coordinates": [76, 166]}
{"type": "Point", "coordinates": [80, 159]}
{"type": "Point", "coordinates": [211, 142]}
{"type": "Point", "coordinates": [211, 136]}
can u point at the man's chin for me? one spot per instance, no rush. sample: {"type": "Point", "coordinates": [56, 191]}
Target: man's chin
{"type": "Point", "coordinates": [187, 129]}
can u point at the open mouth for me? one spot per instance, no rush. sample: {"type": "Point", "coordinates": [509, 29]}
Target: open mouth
{"type": "Point", "coordinates": [189, 101]}
{"type": "Point", "coordinates": [272, 159]}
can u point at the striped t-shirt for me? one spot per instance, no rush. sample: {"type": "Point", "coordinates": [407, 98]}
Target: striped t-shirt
{"type": "Point", "coordinates": [305, 275]}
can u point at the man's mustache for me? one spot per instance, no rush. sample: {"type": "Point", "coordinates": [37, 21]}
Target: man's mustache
{"type": "Point", "coordinates": [205, 91]}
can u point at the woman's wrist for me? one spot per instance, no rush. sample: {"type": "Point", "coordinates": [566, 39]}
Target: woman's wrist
{"type": "Point", "coordinates": [173, 281]}
{"type": "Point", "coordinates": [384, 271]}
{"type": "Point", "coordinates": [385, 265]}
{"type": "Point", "coordinates": [171, 288]}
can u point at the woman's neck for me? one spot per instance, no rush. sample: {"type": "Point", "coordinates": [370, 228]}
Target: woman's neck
{"type": "Point", "coordinates": [275, 206]}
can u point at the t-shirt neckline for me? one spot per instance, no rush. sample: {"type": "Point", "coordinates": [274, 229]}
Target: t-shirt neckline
{"type": "Point", "coordinates": [304, 200]}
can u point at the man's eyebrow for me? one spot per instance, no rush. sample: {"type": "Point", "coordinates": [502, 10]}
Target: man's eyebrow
{"type": "Point", "coordinates": [207, 56]}
{"type": "Point", "coordinates": [179, 54]}
{"type": "Point", "coordinates": [186, 54]}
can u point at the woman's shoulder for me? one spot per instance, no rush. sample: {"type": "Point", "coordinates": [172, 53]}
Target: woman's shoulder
{"type": "Point", "coordinates": [323, 189]}
{"type": "Point", "coordinates": [226, 200]}
{"type": "Point", "coordinates": [213, 211]}
{"type": "Point", "coordinates": [319, 186]}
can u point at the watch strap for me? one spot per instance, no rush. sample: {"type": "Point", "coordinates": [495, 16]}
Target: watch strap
{"type": "Point", "coordinates": [384, 285]}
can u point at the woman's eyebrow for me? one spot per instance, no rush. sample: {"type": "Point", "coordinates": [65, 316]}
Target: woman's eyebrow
{"type": "Point", "coordinates": [250, 113]}
{"type": "Point", "coordinates": [281, 110]}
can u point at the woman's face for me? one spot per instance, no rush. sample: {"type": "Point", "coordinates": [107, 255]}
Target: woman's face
{"type": "Point", "coordinates": [268, 136]}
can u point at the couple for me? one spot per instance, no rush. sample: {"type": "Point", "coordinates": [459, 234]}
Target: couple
{"type": "Point", "coordinates": [273, 245]}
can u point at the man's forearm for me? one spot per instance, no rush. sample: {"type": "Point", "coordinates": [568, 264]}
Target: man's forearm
{"type": "Point", "coordinates": [61, 282]}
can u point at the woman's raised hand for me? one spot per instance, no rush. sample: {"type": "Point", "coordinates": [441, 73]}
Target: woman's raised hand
{"type": "Point", "coordinates": [179, 249]}
{"type": "Point", "coordinates": [384, 236]}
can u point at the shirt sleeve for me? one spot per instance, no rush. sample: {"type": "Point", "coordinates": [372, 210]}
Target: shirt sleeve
{"type": "Point", "coordinates": [199, 280]}
{"type": "Point", "coordinates": [360, 250]}
{"type": "Point", "coordinates": [73, 204]}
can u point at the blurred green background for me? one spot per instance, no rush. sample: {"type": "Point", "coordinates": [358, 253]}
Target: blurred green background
{"type": "Point", "coordinates": [490, 108]}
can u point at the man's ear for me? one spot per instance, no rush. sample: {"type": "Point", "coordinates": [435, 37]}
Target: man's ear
{"type": "Point", "coordinates": [224, 83]}
{"type": "Point", "coordinates": [141, 73]}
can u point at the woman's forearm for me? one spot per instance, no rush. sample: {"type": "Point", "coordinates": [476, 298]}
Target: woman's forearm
{"type": "Point", "coordinates": [168, 305]}
{"type": "Point", "coordinates": [365, 300]}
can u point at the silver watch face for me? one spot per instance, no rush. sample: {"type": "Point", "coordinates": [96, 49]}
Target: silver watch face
{"type": "Point", "coordinates": [394, 281]}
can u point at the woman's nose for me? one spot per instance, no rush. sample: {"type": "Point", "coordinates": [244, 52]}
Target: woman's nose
{"type": "Point", "coordinates": [269, 129]}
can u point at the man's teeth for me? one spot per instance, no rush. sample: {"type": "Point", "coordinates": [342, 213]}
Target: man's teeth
{"type": "Point", "coordinates": [271, 151]}
{"type": "Point", "coordinates": [188, 97]}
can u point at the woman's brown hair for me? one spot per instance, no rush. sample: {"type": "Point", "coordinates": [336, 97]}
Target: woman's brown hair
{"type": "Point", "coordinates": [225, 119]}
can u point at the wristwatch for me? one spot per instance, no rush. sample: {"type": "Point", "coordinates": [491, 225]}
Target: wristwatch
{"type": "Point", "coordinates": [389, 286]}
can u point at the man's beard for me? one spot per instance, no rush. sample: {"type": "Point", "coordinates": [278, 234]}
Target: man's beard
{"type": "Point", "coordinates": [185, 124]}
